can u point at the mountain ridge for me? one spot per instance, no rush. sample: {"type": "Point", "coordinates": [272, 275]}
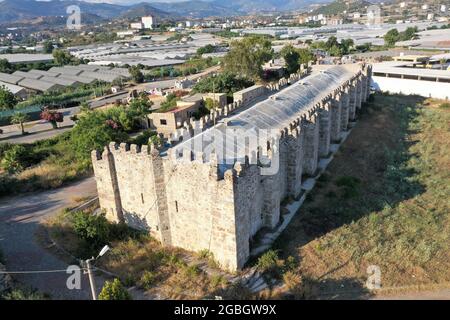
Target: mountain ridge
{"type": "Point", "coordinates": [16, 10]}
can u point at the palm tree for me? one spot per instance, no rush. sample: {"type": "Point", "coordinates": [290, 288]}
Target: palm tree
{"type": "Point", "coordinates": [20, 118]}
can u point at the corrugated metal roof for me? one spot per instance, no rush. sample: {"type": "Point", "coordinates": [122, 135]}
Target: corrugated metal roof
{"type": "Point", "coordinates": [61, 81]}
{"type": "Point", "coordinates": [26, 57]}
{"type": "Point", "coordinates": [14, 89]}
{"type": "Point", "coordinates": [44, 73]}
{"type": "Point", "coordinates": [274, 113]}
{"type": "Point", "coordinates": [80, 79]}
{"type": "Point", "coordinates": [40, 85]}
{"type": "Point", "coordinates": [27, 75]}
{"type": "Point", "coordinates": [401, 68]}
{"type": "Point", "coordinates": [9, 78]}
{"type": "Point", "coordinates": [67, 71]}
{"type": "Point", "coordinates": [101, 76]}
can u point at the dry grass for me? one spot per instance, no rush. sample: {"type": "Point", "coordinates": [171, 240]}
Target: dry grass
{"type": "Point", "coordinates": [395, 214]}
{"type": "Point", "coordinates": [164, 272]}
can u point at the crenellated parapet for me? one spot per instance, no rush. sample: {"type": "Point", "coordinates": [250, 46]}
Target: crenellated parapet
{"type": "Point", "coordinates": [189, 196]}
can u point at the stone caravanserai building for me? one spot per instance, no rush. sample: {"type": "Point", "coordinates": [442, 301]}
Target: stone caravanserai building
{"type": "Point", "coordinates": [205, 200]}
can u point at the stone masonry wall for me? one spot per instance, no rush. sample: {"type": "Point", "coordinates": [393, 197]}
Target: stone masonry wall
{"type": "Point", "coordinates": [185, 201]}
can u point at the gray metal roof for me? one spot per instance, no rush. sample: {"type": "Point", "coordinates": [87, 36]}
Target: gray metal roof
{"type": "Point", "coordinates": [401, 68]}
{"type": "Point", "coordinates": [9, 78]}
{"type": "Point", "coordinates": [66, 71]}
{"type": "Point", "coordinates": [44, 73]}
{"type": "Point", "coordinates": [274, 113]}
{"type": "Point", "coordinates": [12, 87]}
{"type": "Point", "coordinates": [80, 79]}
{"type": "Point", "coordinates": [101, 76]}
{"type": "Point", "coordinates": [28, 75]}
{"type": "Point", "coordinates": [39, 85]}
{"type": "Point", "coordinates": [61, 81]}
{"type": "Point", "coordinates": [26, 57]}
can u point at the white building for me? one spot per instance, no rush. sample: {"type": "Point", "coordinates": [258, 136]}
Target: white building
{"type": "Point", "coordinates": [401, 77]}
{"type": "Point", "coordinates": [149, 22]}
{"type": "Point", "coordinates": [188, 24]}
{"type": "Point", "coordinates": [137, 26]}
{"type": "Point", "coordinates": [443, 8]}
{"type": "Point", "coordinates": [126, 33]}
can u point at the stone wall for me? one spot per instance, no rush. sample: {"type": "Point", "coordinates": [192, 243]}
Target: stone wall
{"type": "Point", "coordinates": [185, 201]}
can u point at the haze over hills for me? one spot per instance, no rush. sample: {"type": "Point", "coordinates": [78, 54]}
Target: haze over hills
{"type": "Point", "coordinates": [15, 10]}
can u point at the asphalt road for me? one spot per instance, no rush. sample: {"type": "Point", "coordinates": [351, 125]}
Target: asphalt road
{"type": "Point", "coordinates": [38, 130]}
{"type": "Point", "coordinates": [20, 218]}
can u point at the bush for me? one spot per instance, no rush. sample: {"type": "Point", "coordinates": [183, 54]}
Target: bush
{"type": "Point", "coordinates": [114, 291]}
{"type": "Point", "coordinates": [445, 105]}
{"type": "Point", "coordinates": [347, 181]}
{"type": "Point", "coordinates": [147, 280]}
{"type": "Point", "coordinates": [268, 261]}
{"type": "Point", "coordinates": [14, 159]}
{"type": "Point", "coordinates": [225, 83]}
{"type": "Point", "coordinates": [22, 294]}
{"type": "Point", "coordinates": [95, 231]}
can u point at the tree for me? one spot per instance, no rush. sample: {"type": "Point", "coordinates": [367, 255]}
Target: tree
{"type": "Point", "coordinates": [5, 66]}
{"type": "Point", "coordinates": [408, 34]}
{"type": "Point", "coordinates": [346, 45]}
{"type": "Point", "coordinates": [7, 99]}
{"type": "Point", "coordinates": [48, 47]}
{"type": "Point", "coordinates": [20, 118]}
{"type": "Point", "coordinates": [247, 56]}
{"type": "Point", "coordinates": [209, 48]}
{"type": "Point", "coordinates": [305, 56]}
{"type": "Point", "coordinates": [291, 57]}
{"type": "Point", "coordinates": [225, 82]}
{"type": "Point", "coordinates": [391, 37]}
{"type": "Point", "coordinates": [53, 117]}
{"type": "Point", "coordinates": [62, 57]}
{"type": "Point", "coordinates": [136, 74]}
{"type": "Point", "coordinates": [93, 132]}
{"type": "Point", "coordinates": [210, 104]}
{"type": "Point", "coordinates": [114, 291]}
{"type": "Point", "coordinates": [13, 160]}
{"type": "Point", "coordinates": [332, 42]}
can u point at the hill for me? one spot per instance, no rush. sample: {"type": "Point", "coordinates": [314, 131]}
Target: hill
{"type": "Point", "coordinates": [340, 6]}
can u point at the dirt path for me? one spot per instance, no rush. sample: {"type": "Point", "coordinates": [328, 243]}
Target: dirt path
{"type": "Point", "coordinates": [441, 294]}
{"type": "Point", "coordinates": [20, 218]}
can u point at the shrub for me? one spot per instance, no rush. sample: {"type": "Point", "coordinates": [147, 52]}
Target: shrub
{"type": "Point", "coordinates": [14, 159]}
{"type": "Point", "coordinates": [268, 261]}
{"type": "Point", "coordinates": [114, 291]}
{"type": "Point", "coordinates": [192, 271]}
{"type": "Point", "coordinates": [52, 116]}
{"type": "Point", "coordinates": [147, 280]}
{"type": "Point", "coordinates": [95, 231]}
{"type": "Point", "coordinates": [445, 105]}
{"type": "Point", "coordinates": [22, 294]}
{"type": "Point", "coordinates": [347, 181]}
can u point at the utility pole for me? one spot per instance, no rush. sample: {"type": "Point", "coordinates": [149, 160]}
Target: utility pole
{"type": "Point", "coordinates": [91, 278]}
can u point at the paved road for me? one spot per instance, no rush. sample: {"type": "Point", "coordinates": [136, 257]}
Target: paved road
{"type": "Point", "coordinates": [19, 220]}
{"type": "Point", "coordinates": [38, 130]}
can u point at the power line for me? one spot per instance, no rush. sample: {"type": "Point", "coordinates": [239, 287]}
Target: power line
{"type": "Point", "coordinates": [36, 271]}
